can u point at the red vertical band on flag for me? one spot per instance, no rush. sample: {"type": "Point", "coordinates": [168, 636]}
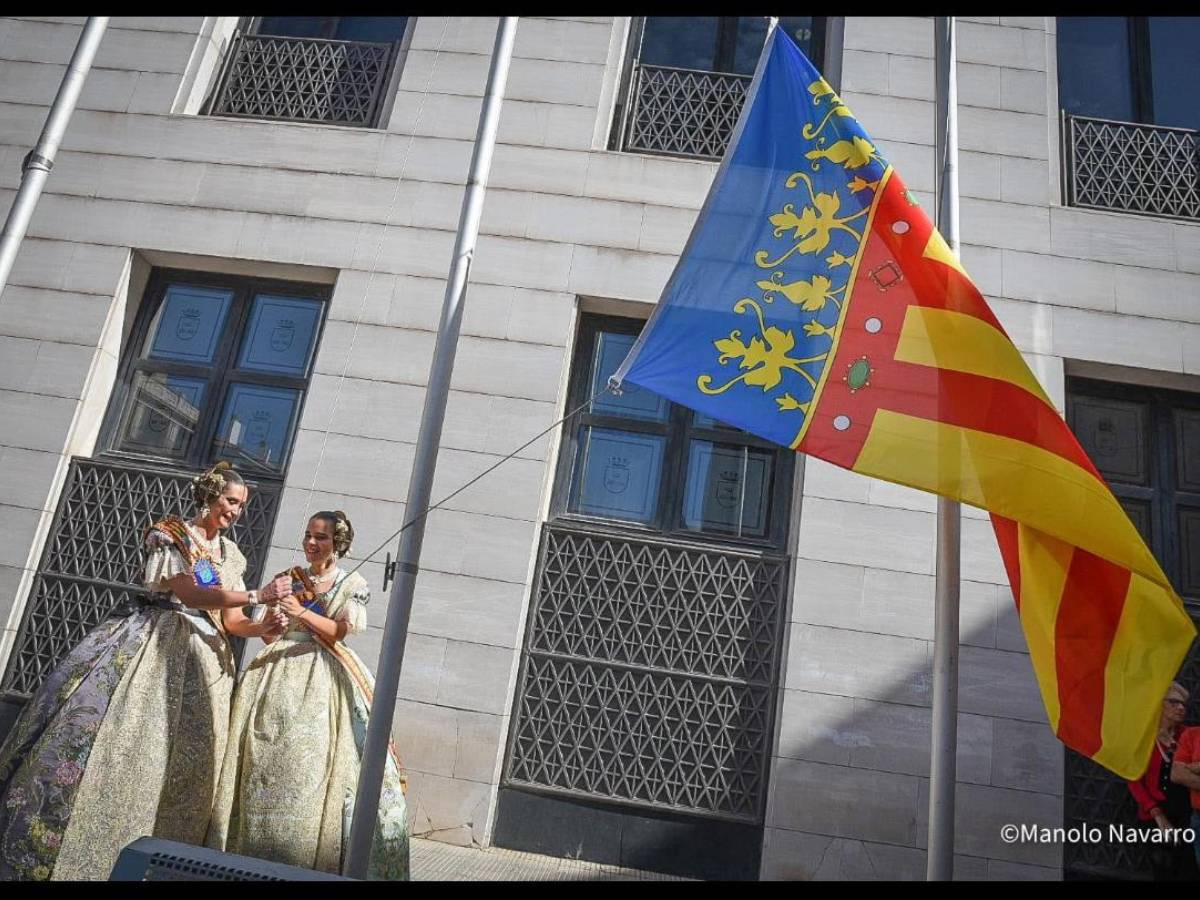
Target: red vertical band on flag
{"type": "Point", "coordinates": [1093, 599]}
{"type": "Point", "coordinates": [1010, 552]}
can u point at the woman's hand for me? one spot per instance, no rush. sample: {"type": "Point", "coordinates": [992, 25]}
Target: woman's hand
{"type": "Point", "coordinates": [291, 605]}
{"type": "Point", "coordinates": [274, 624]}
{"type": "Point", "coordinates": [278, 587]}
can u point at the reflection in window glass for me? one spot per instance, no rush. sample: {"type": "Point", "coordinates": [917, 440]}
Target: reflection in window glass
{"type": "Point", "coordinates": [700, 420]}
{"type": "Point", "coordinates": [617, 474]}
{"type": "Point", "coordinates": [377, 29]}
{"type": "Point", "coordinates": [280, 335]}
{"type": "Point", "coordinates": [1174, 63]}
{"type": "Point", "coordinates": [255, 424]}
{"type": "Point", "coordinates": [752, 34]}
{"type": "Point", "coordinates": [187, 327]}
{"type": "Point", "coordinates": [728, 489]}
{"type": "Point", "coordinates": [634, 402]}
{"type": "Point", "coordinates": [1094, 74]}
{"type": "Point", "coordinates": [296, 26]}
{"type": "Point", "coordinates": [716, 44]}
{"type": "Point", "coordinates": [682, 42]}
{"type": "Point", "coordinates": [161, 413]}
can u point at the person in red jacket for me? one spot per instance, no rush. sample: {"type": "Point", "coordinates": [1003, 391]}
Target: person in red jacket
{"type": "Point", "coordinates": [1185, 772]}
{"type": "Point", "coordinates": [1162, 802]}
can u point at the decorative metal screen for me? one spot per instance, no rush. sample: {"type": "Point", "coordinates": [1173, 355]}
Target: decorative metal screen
{"type": "Point", "coordinates": [93, 558]}
{"type": "Point", "coordinates": [683, 112]}
{"type": "Point", "coordinates": [1095, 796]}
{"type": "Point", "coordinates": [1132, 168]}
{"type": "Point", "coordinates": [304, 79]}
{"type": "Point", "coordinates": [648, 674]}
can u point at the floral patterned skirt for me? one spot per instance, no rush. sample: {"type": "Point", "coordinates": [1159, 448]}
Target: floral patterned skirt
{"type": "Point", "coordinates": [286, 793]}
{"type": "Point", "coordinates": [123, 739]}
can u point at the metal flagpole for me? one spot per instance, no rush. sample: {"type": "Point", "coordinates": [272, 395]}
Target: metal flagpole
{"type": "Point", "coordinates": [944, 743]}
{"type": "Point", "coordinates": [35, 168]}
{"type": "Point", "coordinates": [395, 629]}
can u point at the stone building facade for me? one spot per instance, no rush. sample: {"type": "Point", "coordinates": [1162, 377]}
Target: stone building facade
{"type": "Point", "coordinates": [164, 184]}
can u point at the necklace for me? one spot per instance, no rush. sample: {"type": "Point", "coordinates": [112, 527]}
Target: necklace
{"type": "Point", "coordinates": [332, 570]}
{"type": "Point", "coordinates": [318, 579]}
{"type": "Point", "coordinates": [204, 561]}
{"type": "Point", "coordinates": [202, 539]}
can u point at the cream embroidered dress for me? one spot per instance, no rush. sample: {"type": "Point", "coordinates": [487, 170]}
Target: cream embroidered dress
{"type": "Point", "coordinates": [296, 734]}
{"type": "Point", "coordinates": [125, 736]}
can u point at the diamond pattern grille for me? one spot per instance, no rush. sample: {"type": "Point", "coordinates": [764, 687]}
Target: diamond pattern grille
{"type": "Point", "coordinates": [683, 112]}
{"type": "Point", "coordinates": [648, 674]}
{"type": "Point", "coordinates": [1095, 796]}
{"type": "Point", "coordinates": [304, 79]}
{"type": "Point", "coordinates": [93, 560]}
{"type": "Point", "coordinates": [1133, 168]}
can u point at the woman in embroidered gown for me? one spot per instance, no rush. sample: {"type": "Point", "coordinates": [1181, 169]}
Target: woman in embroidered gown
{"type": "Point", "coordinates": [124, 738]}
{"type": "Point", "coordinates": [298, 724]}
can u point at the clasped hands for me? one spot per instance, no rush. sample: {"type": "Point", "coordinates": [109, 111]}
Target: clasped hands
{"type": "Point", "coordinates": [277, 596]}
{"type": "Point", "coordinates": [282, 603]}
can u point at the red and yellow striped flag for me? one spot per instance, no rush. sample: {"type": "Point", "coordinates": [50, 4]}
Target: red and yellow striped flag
{"type": "Point", "coordinates": [816, 305]}
{"type": "Point", "coordinates": [954, 409]}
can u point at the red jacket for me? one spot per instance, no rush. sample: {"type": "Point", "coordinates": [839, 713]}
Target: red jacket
{"type": "Point", "coordinates": [1146, 790]}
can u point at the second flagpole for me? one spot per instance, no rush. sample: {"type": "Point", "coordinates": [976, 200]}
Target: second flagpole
{"type": "Point", "coordinates": [944, 730]}
{"type": "Point", "coordinates": [395, 629]}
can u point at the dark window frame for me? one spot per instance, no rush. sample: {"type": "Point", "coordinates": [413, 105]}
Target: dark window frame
{"type": "Point", "coordinates": [329, 26]}
{"type": "Point", "coordinates": [1161, 447]}
{"type": "Point", "coordinates": [389, 84]}
{"type": "Point", "coordinates": [220, 375]}
{"type": "Point", "coordinates": [726, 44]}
{"type": "Point", "coordinates": [679, 430]}
{"type": "Point", "coordinates": [1141, 74]}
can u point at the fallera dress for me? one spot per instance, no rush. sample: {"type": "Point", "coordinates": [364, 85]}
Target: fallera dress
{"type": "Point", "coordinates": [297, 729]}
{"type": "Point", "coordinates": [125, 737]}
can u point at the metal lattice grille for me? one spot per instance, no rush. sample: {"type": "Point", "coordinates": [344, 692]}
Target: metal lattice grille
{"type": "Point", "coordinates": [648, 674]}
{"type": "Point", "coordinates": [683, 112]}
{"type": "Point", "coordinates": [304, 79]}
{"type": "Point", "coordinates": [1095, 796]}
{"type": "Point", "coordinates": [1132, 168]}
{"type": "Point", "coordinates": [93, 559]}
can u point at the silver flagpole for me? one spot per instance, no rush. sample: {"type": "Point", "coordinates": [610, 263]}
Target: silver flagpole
{"type": "Point", "coordinates": [395, 629]}
{"type": "Point", "coordinates": [35, 168]}
{"type": "Point", "coordinates": [944, 742]}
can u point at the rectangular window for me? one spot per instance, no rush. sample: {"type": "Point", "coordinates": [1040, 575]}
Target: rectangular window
{"type": "Point", "coordinates": [336, 69]}
{"type": "Point", "coordinates": [686, 77]}
{"type": "Point", "coordinates": [1130, 68]}
{"type": "Point", "coordinates": [1174, 63]}
{"type": "Point", "coordinates": [219, 372]}
{"type": "Point", "coordinates": [1130, 123]}
{"type": "Point", "coordinates": [639, 461]}
{"type": "Point", "coordinates": [188, 325]}
{"type": "Point", "coordinates": [1146, 444]}
{"type": "Point", "coordinates": [281, 335]}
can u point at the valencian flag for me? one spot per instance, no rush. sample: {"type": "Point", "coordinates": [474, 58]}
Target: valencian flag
{"type": "Point", "coordinates": [816, 305]}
